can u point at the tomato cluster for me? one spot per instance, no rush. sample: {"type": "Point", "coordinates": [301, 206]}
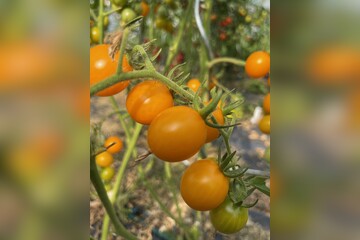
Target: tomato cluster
{"type": "Point", "coordinates": [258, 65]}
{"type": "Point", "coordinates": [105, 159]}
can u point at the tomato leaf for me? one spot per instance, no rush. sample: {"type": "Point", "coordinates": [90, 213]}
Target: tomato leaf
{"type": "Point", "coordinates": [237, 191]}
{"type": "Point", "coordinates": [234, 171]}
{"type": "Point", "coordinates": [264, 189]}
{"type": "Point", "coordinates": [226, 160]}
{"type": "Point", "coordinates": [250, 205]}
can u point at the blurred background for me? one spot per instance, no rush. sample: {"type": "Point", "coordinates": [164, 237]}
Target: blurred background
{"type": "Point", "coordinates": [315, 54]}
{"type": "Point", "coordinates": [44, 119]}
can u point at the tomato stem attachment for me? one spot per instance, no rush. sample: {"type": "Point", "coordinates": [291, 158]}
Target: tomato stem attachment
{"type": "Point", "coordinates": [234, 61]}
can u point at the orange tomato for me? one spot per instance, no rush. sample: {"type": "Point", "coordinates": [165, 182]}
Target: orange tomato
{"type": "Point", "coordinates": [213, 133]}
{"type": "Point", "coordinates": [115, 143]}
{"type": "Point", "coordinates": [203, 185]}
{"type": "Point", "coordinates": [268, 81]}
{"type": "Point", "coordinates": [194, 84]}
{"type": "Point", "coordinates": [257, 64]}
{"type": "Point", "coordinates": [176, 134]}
{"type": "Point", "coordinates": [147, 99]}
{"type": "Point", "coordinates": [102, 67]}
{"type": "Point", "coordinates": [104, 159]}
{"type": "Point", "coordinates": [144, 9]}
{"type": "Point", "coordinates": [264, 124]}
{"type": "Point", "coordinates": [266, 103]}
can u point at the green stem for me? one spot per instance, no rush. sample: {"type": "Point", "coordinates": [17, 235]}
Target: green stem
{"type": "Point", "coordinates": [173, 50]}
{"type": "Point", "coordinates": [100, 189]}
{"type": "Point", "coordinates": [93, 15]}
{"type": "Point", "coordinates": [120, 176]}
{"type": "Point", "coordinates": [225, 59]}
{"type": "Point", "coordinates": [122, 49]}
{"type": "Point", "coordinates": [140, 74]}
{"type": "Point", "coordinates": [112, 11]}
{"type": "Point", "coordinates": [121, 119]}
{"type": "Point", "coordinates": [100, 22]}
{"type": "Point", "coordinates": [161, 204]}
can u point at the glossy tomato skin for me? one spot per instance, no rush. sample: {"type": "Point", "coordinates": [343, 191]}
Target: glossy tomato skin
{"type": "Point", "coordinates": [194, 84]}
{"type": "Point", "coordinates": [104, 159]}
{"type": "Point", "coordinates": [116, 144]}
{"type": "Point", "coordinates": [266, 103]}
{"type": "Point", "coordinates": [203, 185]}
{"type": "Point", "coordinates": [228, 218]}
{"type": "Point", "coordinates": [213, 133]}
{"type": "Point", "coordinates": [257, 64]}
{"type": "Point", "coordinates": [264, 124]}
{"type": "Point", "coordinates": [127, 15]}
{"type": "Point", "coordinates": [102, 66]}
{"type": "Point", "coordinates": [176, 134]}
{"type": "Point", "coordinates": [95, 34]}
{"type": "Point", "coordinates": [147, 99]}
{"type": "Point", "coordinates": [107, 174]}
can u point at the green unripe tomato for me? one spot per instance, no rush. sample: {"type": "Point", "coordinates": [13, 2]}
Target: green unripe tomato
{"type": "Point", "coordinates": [229, 218]}
{"type": "Point", "coordinates": [95, 34]}
{"type": "Point", "coordinates": [127, 15]}
{"type": "Point", "coordinates": [119, 3]}
{"type": "Point", "coordinates": [107, 174]}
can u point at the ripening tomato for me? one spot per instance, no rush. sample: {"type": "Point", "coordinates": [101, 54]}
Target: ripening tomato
{"type": "Point", "coordinates": [194, 84]}
{"type": "Point", "coordinates": [213, 133]}
{"type": "Point", "coordinates": [229, 218]}
{"type": "Point", "coordinates": [147, 99]}
{"type": "Point", "coordinates": [102, 66]}
{"type": "Point", "coordinates": [223, 36]}
{"type": "Point", "coordinates": [264, 124]}
{"type": "Point", "coordinates": [104, 159]}
{"type": "Point", "coordinates": [106, 21]}
{"type": "Point", "coordinates": [266, 103]}
{"type": "Point", "coordinates": [257, 64]}
{"type": "Point", "coordinates": [115, 143]}
{"type": "Point", "coordinates": [176, 134]}
{"type": "Point", "coordinates": [144, 9]}
{"type": "Point", "coordinates": [95, 34]}
{"type": "Point", "coordinates": [107, 174]}
{"type": "Point", "coordinates": [203, 185]}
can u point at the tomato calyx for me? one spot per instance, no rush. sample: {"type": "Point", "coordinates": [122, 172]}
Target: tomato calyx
{"type": "Point", "coordinates": [241, 186]}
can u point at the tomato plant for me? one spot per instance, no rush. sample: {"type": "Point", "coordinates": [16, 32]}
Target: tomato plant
{"type": "Point", "coordinates": [102, 66]}
{"type": "Point", "coordinates": [104, 159]}
{"type": "Point", "coordinates": [258, 64]}
{"type": "Point", "coordinates": [147, 99]}
{"type": "Point", "coordinates": [180, 118]}
{"type": "Point", "coordinates": [113, 144]}
{"type": "Point", "coordinates": [229, 218]}
{"type": "Point", "coordinates": [203, 185]}
{"type": "Point", "coordinates": [176, 134]}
